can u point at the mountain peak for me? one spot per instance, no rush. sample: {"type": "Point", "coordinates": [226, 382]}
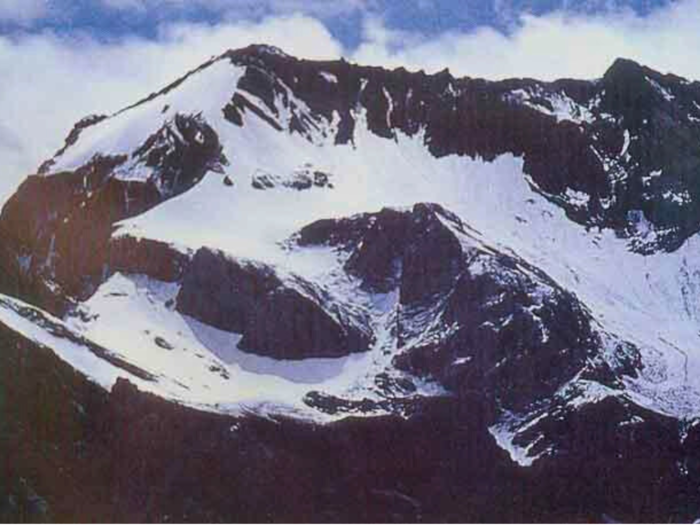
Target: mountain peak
{"type": "Point", "coordinates": [624, 67]}
{"type": "Point", "coordinates": [259, 50]}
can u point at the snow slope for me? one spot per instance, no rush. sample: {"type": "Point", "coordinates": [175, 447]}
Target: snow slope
{"type": "Point", "coordinates": [648, 300]}
{"type": "Point", "coordinates": [202, 366]}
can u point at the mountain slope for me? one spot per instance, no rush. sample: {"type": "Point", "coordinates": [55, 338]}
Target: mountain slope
{"type": "Point", "coordinates": [321, 240]}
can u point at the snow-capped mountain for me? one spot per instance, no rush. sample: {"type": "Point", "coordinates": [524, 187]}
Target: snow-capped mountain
{"type": "Point", "coordinates": [340, 246]}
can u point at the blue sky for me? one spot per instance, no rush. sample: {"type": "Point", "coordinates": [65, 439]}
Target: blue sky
{"type": "Point", "coordinates": [110, 19]}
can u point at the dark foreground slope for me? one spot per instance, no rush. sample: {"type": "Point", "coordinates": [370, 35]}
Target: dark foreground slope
{"type": "Point", "coordinates": [72, 452]}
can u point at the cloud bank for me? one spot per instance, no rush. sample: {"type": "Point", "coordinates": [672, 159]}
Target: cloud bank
{"type": "Point", "coordinates": [553, 46]}
{"type": "Point", "coordinates": [50, 81]}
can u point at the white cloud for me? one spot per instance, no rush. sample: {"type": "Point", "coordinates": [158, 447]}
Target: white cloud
{"type": "Point", "coordinates": [547, 47]}
{"type": "Point", "coordinates": [49, 82]}
{"type": "Point", "coordinates": [22, 11]}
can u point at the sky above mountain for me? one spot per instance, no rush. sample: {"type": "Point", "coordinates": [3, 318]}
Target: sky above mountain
{"type": "Point", "coordinates": [63, 59]}
{"type": "Point", "coordinates": [105, 19]}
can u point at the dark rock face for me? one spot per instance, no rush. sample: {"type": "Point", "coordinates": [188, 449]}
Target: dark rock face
{"type": "Point", "coordinates": [223, 291]}
{"type": "Point", "coordinates": [474, 320]}
{"type": "Point", "coordinates": [376, 256]}
{"type": "Point", "coordinates": [502, 340]}
{"type": "Point", "coordinates": [432, 261]}
{"type": "Point", "coordinates": [285, 320]}
{"type": "Point", "coordinates": [412, 249]}
{"type": "Point", "coordinates": [146, 256]}
{"type": "Point", "coordinates": [661, 112]}
{"type": "Point", "coordinates": [180, 153]}
{"type": "Point", "coordinates": [55, 231]}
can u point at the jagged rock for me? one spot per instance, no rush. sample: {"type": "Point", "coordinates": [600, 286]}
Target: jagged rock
{"type": "Point", "coordinates": [262, 181]}
{"type": "Point", "coordinates": [181, 153]}
{"type": "Point", "coordinates": [432, 258]}
{"type": "Point", "coordinates": [412, 249]}
{"type": "Point", "coordinates": [495, 320]}
{"type": "Point", "coordinates": [376, 257]}
{"type": "Point", "coordinates": [469, 318]}
{"type": "Point", "coordinates": [300, 179]}
{"type": "Point", "coordinates": [277, 318]}
{"type": "Point", "coordinates": [146, 256]}
{"type": "Point", "coordinates": [163, 343]}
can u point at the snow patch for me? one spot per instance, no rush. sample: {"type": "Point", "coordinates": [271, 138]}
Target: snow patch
{"type": "Point", "coordinates": [505, 433]}
{"type": "Point", "coordinates": [625, 144]}
{"type": "Point", "coordinates": [329, 77]}
{"type": "Point", "coordinates": [557, 105]}
{"type": "Point", "coordinates": [665, 93]}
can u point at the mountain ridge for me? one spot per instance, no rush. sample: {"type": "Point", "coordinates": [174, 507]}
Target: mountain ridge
{"type": "Point", "coordinates": [337, 245]}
